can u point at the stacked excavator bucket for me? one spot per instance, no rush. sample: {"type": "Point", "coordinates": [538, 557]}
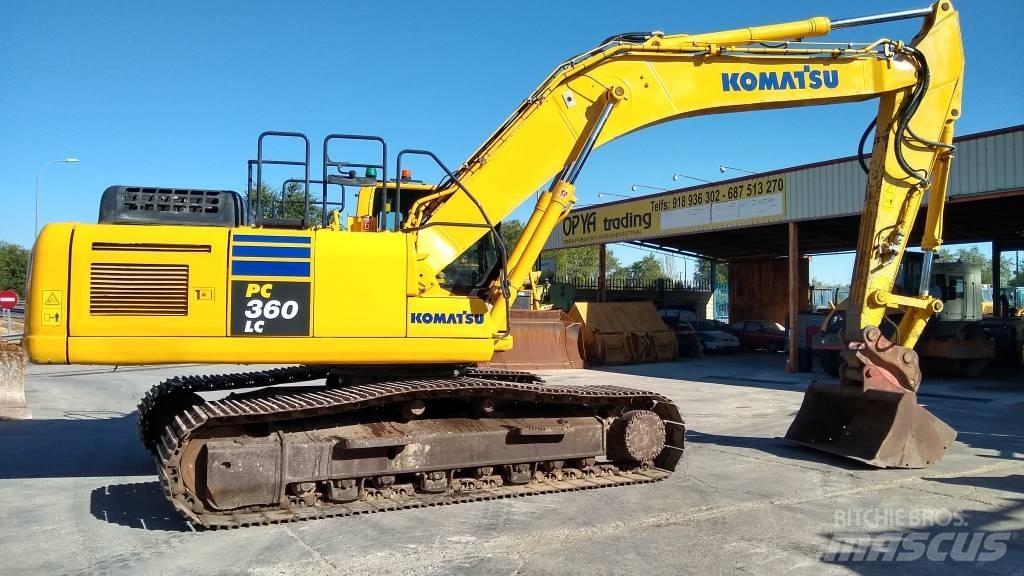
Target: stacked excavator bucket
{"type": "Point", "coordinates": [624, 332]}
{"type": "Point", "coordinates": [602, 333]}
{"type": "Point", "coordinates": [543, 340]}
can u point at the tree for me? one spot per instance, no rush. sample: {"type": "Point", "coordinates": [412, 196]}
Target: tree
{"type": "Point", "coordinates": [974, 256]}
{"type": "Point", "coordinates": [271, 203]}
{"type": "Point", "coordinates": [702, 273]}
{"type": "Point", "coordinates": [668, 265]}
{"type": "Point", "coordinates": [13, 268]}
{"type": "Point", "coordinates": [511, 230]}
{"type": "Point", "coordinates": [613, 267]}
{"type": "Point", "coordinates": [646, 269]}
{"type": "Point", "coordinates": [584, 262]}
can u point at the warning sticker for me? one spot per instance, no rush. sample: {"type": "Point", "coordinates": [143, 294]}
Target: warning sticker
{"type": "Point", "coordinates": [51, 297]}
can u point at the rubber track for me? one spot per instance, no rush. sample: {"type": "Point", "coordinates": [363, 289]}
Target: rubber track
{"type": "Point", "coordinates": [282, 406]}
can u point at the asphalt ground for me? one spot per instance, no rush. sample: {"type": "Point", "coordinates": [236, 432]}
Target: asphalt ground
{"type": "Point", "coordinates": [78, 494]}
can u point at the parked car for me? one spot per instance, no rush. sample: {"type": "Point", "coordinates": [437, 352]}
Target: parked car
{"type": "Point", "coordinates": [760, 335]}
{"type": "Point", "coordinates": [713, 338]}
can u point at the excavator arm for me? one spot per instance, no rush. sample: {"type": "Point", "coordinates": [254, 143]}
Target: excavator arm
{"type": "Point", "coordinates": [656, 78]}
{"type": "Point", "coordinates": [637, 80]}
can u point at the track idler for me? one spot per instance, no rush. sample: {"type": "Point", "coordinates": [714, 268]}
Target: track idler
{"type": "Point", "coordinates": [872, 414]}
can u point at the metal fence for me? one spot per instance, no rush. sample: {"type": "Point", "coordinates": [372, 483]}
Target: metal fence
{"type": "Point", "coordinates": [720, 300]}
{"type": "Point", "coordinates": [820, 297]}
{"type": "Point", "coordinates": [636, 285]}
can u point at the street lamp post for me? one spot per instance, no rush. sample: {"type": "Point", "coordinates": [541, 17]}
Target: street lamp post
{"type": "Point", "coordinates": [603, 194]}
{"type": "Point", "coordinates": [678, 176]}
{"type": "Point", "coordinates": [723, 168]}
{"type": "Point", "coordinates": [68, 160]}
{"type": "Point", "coordinates": [635, 186]}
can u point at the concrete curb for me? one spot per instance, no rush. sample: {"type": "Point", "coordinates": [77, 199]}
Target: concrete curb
{"type": "Point", "coordinates": [12, 384]}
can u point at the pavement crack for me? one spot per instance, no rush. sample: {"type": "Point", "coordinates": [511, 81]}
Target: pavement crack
{"type": "Point", "coordinates": [312, 551]}
{"type": "Point", "coordinates": [772, 460]}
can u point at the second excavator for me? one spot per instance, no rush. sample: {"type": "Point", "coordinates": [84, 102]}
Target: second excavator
{"type": "Point", "coordinates": [387, 320]}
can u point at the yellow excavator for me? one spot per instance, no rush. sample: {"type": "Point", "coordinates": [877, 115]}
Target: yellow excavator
{"type": "Point", "coordinates": [384, 322]}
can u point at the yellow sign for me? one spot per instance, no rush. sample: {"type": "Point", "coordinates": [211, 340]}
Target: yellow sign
{"type": "Point", "coordinates": [51, 297]}
{"type": "Point", "coordinates": [51, 318]}
{"type": "Point", "coordinates": [752, 200]}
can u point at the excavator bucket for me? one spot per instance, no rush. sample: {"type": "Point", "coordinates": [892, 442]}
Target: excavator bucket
{"type": "Point", "coordinates": [883, 428]}
{"type": "Point", "coordinates": [624, 332]}
{"type": "Point", "coordinates": [544, 340]}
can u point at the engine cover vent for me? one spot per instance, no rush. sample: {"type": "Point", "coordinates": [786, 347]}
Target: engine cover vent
{"type": "Point", "coordinates": [176, 206]}
{"type": "Point", "coordinates": [123, 289]}
{"type": "Point", "coordinates": [149, 247]}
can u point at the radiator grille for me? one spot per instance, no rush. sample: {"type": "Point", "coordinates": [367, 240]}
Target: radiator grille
{"type": "Point", "coordinates": [117, 289]}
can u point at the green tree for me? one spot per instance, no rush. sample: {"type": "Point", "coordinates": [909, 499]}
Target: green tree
{"type": "Point", "coordinates": [289, 203]}
{"type": "Point", "coordinates": [13, 268]}
{"type": "Point", "coordinates": [613, 267]}
{"type": "Point", "coordinates": [974, 256]}
{"type": "Point", "coordinates": [581, 262]}
{"type": "Point", "coordinates": [584, 262]}
{"type": "Point", "coordinates": [702, 273]}
{"type": "Point", "coordinates": [645, 269]}
{"type": "Point", "coordinates": [511, 230]}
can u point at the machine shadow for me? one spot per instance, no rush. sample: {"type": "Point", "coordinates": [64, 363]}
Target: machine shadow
{"type": "Point", "coordinates": [141, 505]}
{"type": "Point", "coordinates": [980, 423]}
{"type": "Point", "coordinates": [778, 447]}
{"type": "Point", "coordinates": [84, 444]}
{"type": "Point", "coordinates": [1012, 483]}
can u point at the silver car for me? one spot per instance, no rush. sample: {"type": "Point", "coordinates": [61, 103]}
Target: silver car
{"type": "Point", "coordinates": [713, 338]}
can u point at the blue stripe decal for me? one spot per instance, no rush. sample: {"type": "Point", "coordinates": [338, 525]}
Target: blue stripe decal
{"type": "Point", "coordinates": [270, 251]}
{"type": "Point", "coordinates": [277, 239]}
{"type": "Point", "coordinates": [264, 268]}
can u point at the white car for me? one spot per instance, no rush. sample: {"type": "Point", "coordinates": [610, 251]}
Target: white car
{"type": "Point", "coordinates": [713, 338]}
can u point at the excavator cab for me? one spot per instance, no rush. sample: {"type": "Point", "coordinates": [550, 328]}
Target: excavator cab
{"type": "Point", "coordinates": [381, 203]}
{"type": "Point", "coordinates": [377, 200]}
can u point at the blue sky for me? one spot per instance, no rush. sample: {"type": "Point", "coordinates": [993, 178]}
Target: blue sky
{"type": "Point", "coordinates": [175, 93]}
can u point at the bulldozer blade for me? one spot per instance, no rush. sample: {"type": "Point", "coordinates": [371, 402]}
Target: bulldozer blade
{"type": "Point", "coordinates": [543, 340]}
{"type": "Point", "coordinates": [882, 428]}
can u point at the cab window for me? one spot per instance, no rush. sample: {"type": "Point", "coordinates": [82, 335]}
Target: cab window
{"type": "Point", "coordinates": [473, 269]}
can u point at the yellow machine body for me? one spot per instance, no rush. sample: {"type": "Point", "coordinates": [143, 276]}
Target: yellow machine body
{"type": "Point", "coordinates": [179, 294]}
